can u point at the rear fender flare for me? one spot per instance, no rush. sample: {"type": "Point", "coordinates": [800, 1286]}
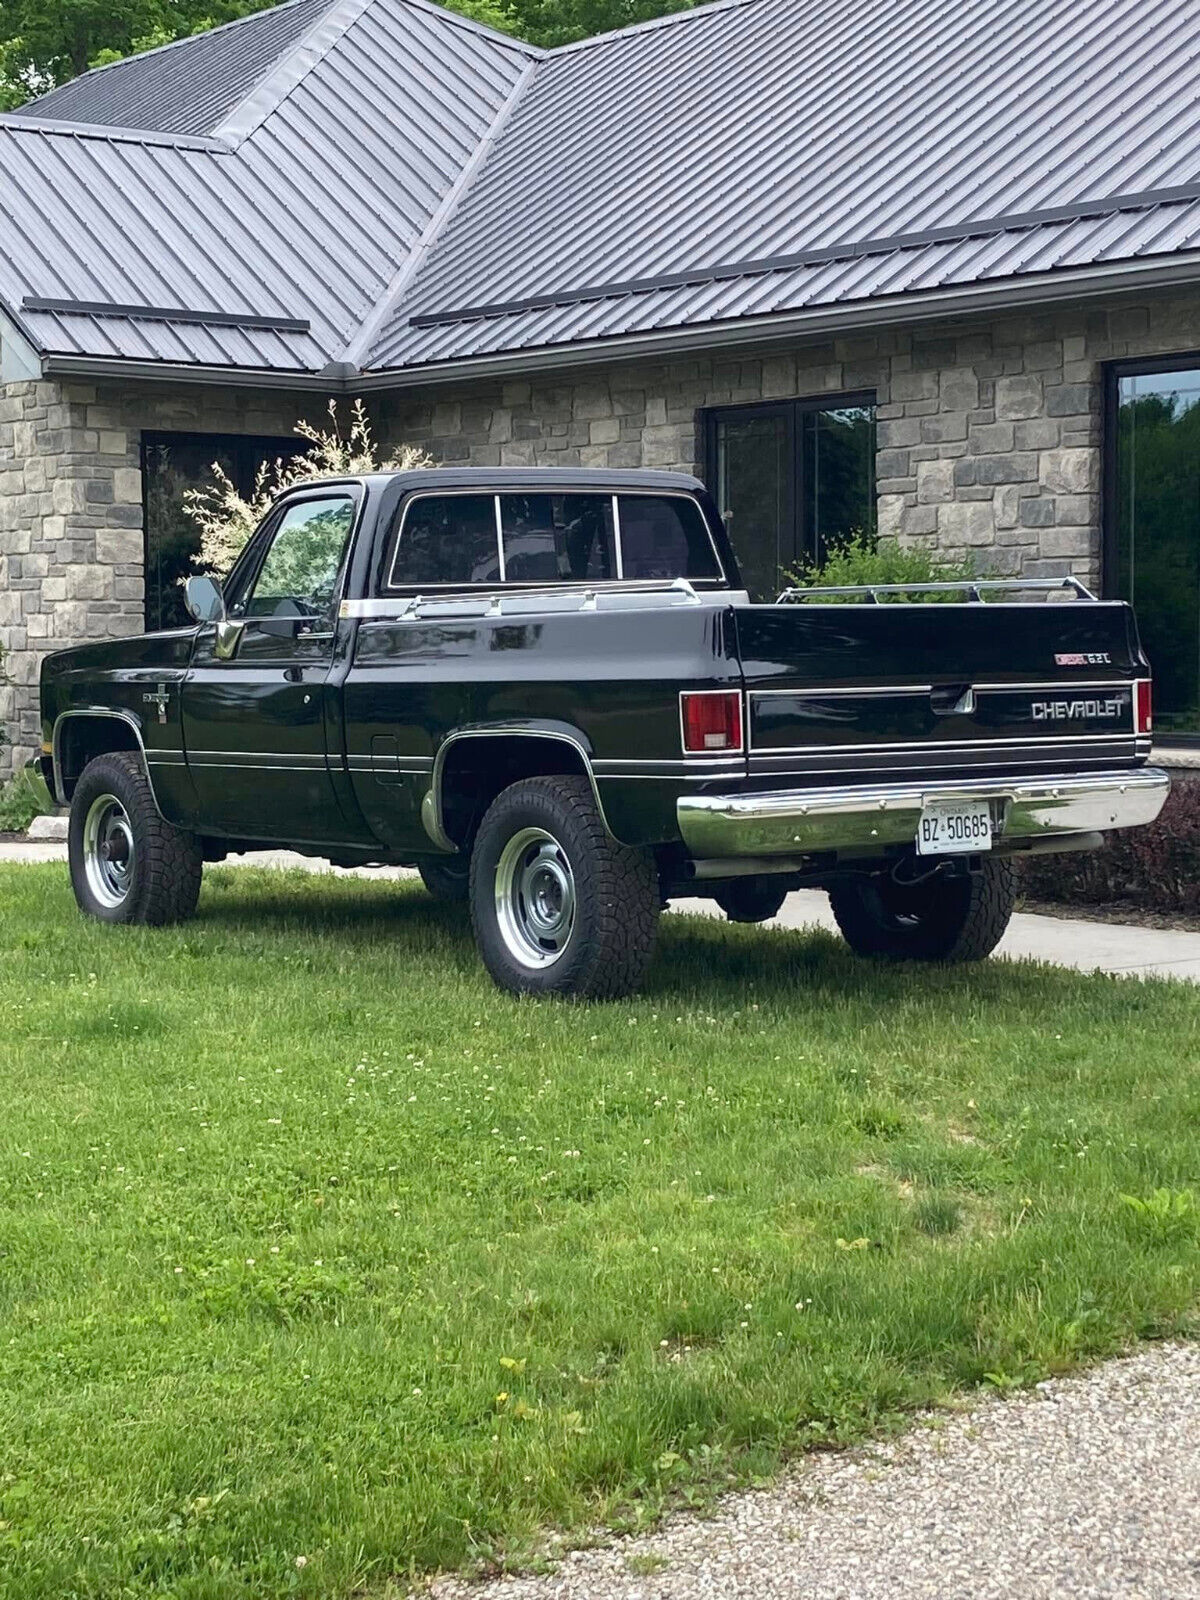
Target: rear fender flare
{"type": "Point", "coordinates": [432, 810]}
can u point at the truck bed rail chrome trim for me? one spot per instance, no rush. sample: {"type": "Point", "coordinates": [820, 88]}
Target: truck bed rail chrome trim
{"type": "Point", "coordinates": [972, 587]}
{"type": "Point", "coordinates": [491, 602]}
{"type": "Point", "coordinates": [865, 817]}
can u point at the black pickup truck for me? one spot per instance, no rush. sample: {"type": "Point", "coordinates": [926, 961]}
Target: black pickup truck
{"type": "Point", "coordinates": [548, 691]}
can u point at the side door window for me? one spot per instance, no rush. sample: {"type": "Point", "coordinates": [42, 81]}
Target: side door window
{"type": "Point", "coordinates": [298, 579]}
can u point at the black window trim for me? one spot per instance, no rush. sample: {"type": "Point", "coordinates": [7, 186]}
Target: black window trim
{"type": "Point", "coordinates": [1111, 373]}
{"type": "Point", "coordinates": [236, 444]}
{"type": "Point", "coordinates": [244, 573]}
{"type": "Point", "coordinates": [508, 585]}
{"type": "Point", "coordinates": [791, 408]}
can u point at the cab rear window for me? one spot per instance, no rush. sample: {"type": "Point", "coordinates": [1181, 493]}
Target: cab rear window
{"type": "Point", "coordinates": [461, 540]}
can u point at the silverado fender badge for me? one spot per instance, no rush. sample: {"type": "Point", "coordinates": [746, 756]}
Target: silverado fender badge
{"type": "Point", "coordinates": [1088, 658]}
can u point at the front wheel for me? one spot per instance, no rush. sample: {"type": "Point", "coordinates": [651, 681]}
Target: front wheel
{"type": "Point", "coordinates": [558, 905]}
{"type": "Point", "coordinates": [128, 864]}
{"type": "Point", "coordinates": [941, 918]}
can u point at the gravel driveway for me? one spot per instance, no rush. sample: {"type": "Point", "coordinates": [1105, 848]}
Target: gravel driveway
{"type": "Point", "coordinates": [1086, 1487]}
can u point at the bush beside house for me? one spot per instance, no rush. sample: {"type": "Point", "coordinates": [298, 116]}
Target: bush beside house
{"type": "Point", "coordinates": [1155, 869]}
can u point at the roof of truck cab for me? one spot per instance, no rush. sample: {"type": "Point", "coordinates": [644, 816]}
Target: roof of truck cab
{"type": "Point", "coordinates": [499, 478]}
{"type": "Point", "coordinates": [380, 190]}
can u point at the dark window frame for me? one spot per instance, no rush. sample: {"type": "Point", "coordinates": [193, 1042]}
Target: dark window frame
{"type": "Point", "coordinates": [247, 569]}
{"type": "Point", "coordinates": [390, 546]}
{"type": "Point", "coordinates": [791, 409]}
{"type": "Point", "coordinates": [1111, 373]}
{"type": "Point", "coordinates": [247, 452]}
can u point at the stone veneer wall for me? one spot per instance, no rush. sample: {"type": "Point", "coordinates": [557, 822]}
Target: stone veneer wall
{"type": "Point", "coordinates": [988, 436]}
{"type": "Point", "coordinates": [71, 551]}
{"type": "Point", "coordinates": [989, 442]}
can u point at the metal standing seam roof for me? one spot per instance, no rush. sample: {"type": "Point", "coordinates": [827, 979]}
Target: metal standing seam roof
{"type": "Point", "coordinates": [185, 87]}
{"type": "Point", "coordinates": [766, 128]}
{"type": "Point", "coordinates": [398, 187]}
{"type": "Point", "coordinates": [305, 211]}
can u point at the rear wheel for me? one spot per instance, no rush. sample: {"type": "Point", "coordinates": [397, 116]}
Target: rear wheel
{"type": "Point", "coordinates": [558, 905]}
{"type": "Point", "coordinates": [447, 878]}
{"type": "Point", "coordinates": [751, 899]}
{"type": "Point", "coordinates": [127, 863]}
{"type": "Point", "coordinates": [942, 918]}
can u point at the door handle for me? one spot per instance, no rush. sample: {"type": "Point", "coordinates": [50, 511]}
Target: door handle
{"type": "Point", "coordinates": [294, 674]}
{"type": "Point", "coordinates": [953, 700]}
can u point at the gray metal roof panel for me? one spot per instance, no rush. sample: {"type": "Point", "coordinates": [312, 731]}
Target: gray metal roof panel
{"type": "Point", "coordinates": [184, 87]}
{"type": "Point", "coordinates": [393, 160]}
{"type": "Point", "coordinates": [309, 218]}
{"type": "Point", "coordinates": [920, 270]}
{"type": "Point", "coordinates": [776, 125]}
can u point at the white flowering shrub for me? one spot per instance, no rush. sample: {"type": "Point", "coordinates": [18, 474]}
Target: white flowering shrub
{"type": "Point", "coordinates": [226, 518]}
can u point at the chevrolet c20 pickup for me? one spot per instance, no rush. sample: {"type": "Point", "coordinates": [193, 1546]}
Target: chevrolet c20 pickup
{"type": "Point", "coordinates": [549, 692]}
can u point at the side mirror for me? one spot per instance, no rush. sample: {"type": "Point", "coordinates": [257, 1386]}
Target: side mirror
{"type": "Point", "coordinates": [204, 599]}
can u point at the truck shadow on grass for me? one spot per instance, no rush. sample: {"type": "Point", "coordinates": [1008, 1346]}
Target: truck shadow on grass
{"type": "Point", "coordinates": [699, 961]}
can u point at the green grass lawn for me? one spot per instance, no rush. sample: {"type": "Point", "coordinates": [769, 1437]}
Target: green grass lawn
{"type": "Point", "coordinates": [322, 1263]}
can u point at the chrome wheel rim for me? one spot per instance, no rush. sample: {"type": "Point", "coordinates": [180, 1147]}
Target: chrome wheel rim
{"type": "Point", "coordinates": [109, 853]}
{"type": "Point", "coordinates": [535, 898]}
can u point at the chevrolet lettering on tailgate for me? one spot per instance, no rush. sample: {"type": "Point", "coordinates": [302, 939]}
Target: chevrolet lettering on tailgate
{"type": "Point", "coordinates": [1085, 710]}
{"type": "Point", "coordinates": [549, 692]}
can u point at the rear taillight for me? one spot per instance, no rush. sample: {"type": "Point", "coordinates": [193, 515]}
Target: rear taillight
{"type": "Point", "coordinates": [1143, 702]}
{"type": "Point", "coordinates": [711, 720]}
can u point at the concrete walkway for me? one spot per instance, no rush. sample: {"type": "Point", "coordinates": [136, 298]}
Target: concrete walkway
{"type": "Point", "coordinates": [1086, 946]}
{"type": "Point", "coordinates": [1069, 942]}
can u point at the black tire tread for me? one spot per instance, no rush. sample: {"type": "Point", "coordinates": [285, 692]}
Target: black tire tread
{"type": "Point", "coordinates": [986, 901]}
{"type": "Point", "coordinates": [170, 861]}
{"type": "Point", "coordinates": [446, 886]}
{"type": "Point", "coordinates": [619, 880]}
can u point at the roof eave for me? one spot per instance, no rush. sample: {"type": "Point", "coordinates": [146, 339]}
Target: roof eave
{"type": "Point", "coordinates": [892, 310]}
{"type": "Point", "coordinates": [73, 366]}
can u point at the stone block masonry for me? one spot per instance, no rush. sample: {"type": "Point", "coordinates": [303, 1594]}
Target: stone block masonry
{"type": "Point", "coordinates": [71, 539]}
{"type": "Point", "coordinates": [988, 440]}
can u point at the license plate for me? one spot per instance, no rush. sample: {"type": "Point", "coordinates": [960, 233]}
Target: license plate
{"type": "Point", "coordinates": [955, 828]}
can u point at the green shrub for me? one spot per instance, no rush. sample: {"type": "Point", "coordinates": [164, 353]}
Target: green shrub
{"type": "Point", "coordinates": [863, 559]}
{"type": "Point", "coordinates": [20, 802]}
{"type": "Point", "coordinates": [1155, 868]}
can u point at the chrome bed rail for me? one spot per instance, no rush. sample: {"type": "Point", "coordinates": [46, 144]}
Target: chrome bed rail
{"type": "Point", "coordinates": [972, 587]}
{"type": "Point", "coordinates": [565, 598]}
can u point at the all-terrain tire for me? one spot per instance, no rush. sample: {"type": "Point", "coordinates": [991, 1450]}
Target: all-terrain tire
{"type": "Point", "coordinates": [751, 899]}
{"type": "Point", "coordinates": [942, 918]}
{"type": "Point", "coordinates": [448, 878]}
{"type": "Point", "coordinates": [547, 835]}
{"type": "Point", "coordinates": [158, 881]}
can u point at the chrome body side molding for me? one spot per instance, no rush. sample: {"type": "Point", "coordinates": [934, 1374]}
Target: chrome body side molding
{"type": "Point", "coordinates": [863, 818]}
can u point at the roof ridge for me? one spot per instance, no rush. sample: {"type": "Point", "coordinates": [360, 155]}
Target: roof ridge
{"type": "Point", "coordinates": [472, 25]}
{"type": "Point", "coordinates": [652, 24]}
{"type": "Point", "coordinates": [290, 68]}
{"type": "Point", "coordinates": [385, 307]}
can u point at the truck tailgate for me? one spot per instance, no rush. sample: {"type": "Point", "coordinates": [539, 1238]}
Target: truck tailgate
{"type": "Point", "coordinates": [922, 688]}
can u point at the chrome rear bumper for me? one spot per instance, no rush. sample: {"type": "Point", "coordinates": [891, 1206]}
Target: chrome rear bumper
{"type": "Point", "coordinates": [863, 818]}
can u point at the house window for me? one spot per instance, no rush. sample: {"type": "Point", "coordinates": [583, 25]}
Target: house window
{"type": "Point", "coordinates": [1152, 525]}
{"type": "Point", "coordinates": [791, 479]}
{"type": "Point", "coordinates": [173, 463]}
